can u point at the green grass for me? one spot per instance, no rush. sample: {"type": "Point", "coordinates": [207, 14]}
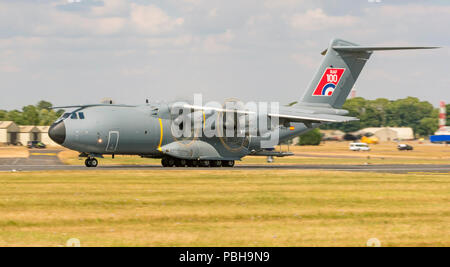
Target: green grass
{"type": "Point", "coordinates": [218, 208]}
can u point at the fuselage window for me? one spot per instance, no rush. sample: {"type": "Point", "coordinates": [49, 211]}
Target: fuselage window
{"type": "Point", "coordinates": [74, 116]}
{"type": "Point", "coordinates": [81, 115]}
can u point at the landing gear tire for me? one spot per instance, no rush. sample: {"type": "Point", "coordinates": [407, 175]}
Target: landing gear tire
{"type": "Point", "coordinates": [216, 163]}
{"type": "Point", "coordinates": [192, 163]}
{"type": "Point", "coordinates": [180, 163]}
{"type": "Point", "coordinates": [170, 162]}
{"type": "Point", "coordinates": [94, 163]}
{"type": "Point", "coordinates": [91, 162]}
{"type": "Point", "coordinates": [228, 163]}
{"type": "Point", "coordinates": [205, 163]}
{"type": "Point", "coordinates": [164, 162]}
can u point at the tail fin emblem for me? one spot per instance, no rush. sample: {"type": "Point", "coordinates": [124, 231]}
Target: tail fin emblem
{"type": "Point", "coordinates": [329, 81]}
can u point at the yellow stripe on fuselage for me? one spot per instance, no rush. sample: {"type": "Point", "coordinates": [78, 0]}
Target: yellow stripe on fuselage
{"type": "Point", "coordinates": [162, 135]}
{"type": "Point", "coordinates": [204, 120]}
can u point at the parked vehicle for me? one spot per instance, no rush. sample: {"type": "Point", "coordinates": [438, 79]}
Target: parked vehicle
{"type": "Point", "coordinates": [359, 147]}
{"type": "Point", "coordinates": [404, 147]}
{"type": "Point", "coordinates": [351, 137]}
{"type": "Point", "coordinates": [36, 144]}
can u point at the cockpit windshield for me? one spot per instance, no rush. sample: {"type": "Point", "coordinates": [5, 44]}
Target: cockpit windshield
{"type": "Point", "coordinates": [71, 115]}
{"type": "Point", "coordinates": [63, 117]}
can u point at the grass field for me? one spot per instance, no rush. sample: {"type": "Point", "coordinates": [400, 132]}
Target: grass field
{"type": "Point", "coordinates": [329, 153]}
{"type": "Point", "coordinates": [218, 208]}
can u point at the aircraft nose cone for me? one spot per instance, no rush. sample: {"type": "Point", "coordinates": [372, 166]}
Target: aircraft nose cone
{"type": "Point", "coordinates": [57, 132]}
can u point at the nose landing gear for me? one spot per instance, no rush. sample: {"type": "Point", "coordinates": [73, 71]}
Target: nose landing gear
{"type": "Point", "coordinates": [91, 162]}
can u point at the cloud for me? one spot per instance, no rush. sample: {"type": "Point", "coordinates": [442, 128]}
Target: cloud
{"type": "Point", "coordinates": [306, 60]}
{"type": "Point", "coordinates": [152, 20]}
{"type": "Point", "coordinates": [110, 17]}
{"type": "Point", "coordinates": [283, 3]}
{"type": "Point", "coordinates": [316, 19]}
{"type": "Point", "coordinates": [229, 48]}
{"type": "Point", "coordinates": [219, 42]}
{"type": "Point", "coordinates": [9, 68]}
{"type": "Point", "coordinates": [112, 8]}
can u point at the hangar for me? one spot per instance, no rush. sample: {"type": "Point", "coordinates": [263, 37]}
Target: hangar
{"type": "Point", "coordinates": [332, 135]}
{"type": "Point", "coordinates": [28, 133]}
{"type": "Point", "coordinates": [44, 138]}
{"type": "Point", "coordinates": [9, 132]}
{"type": "Point", "coordinates": [389, 133]}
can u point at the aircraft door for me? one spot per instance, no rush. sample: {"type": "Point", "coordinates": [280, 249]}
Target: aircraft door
{"type": "Point", "coordinates": [113, 141]}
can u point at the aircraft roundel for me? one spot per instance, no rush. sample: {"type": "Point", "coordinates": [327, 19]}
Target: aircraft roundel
{"type": "Point", "coordinates": [328, 82]}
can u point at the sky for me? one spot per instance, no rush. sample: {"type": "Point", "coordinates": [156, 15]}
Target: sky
{"type": "Point", "coordinates": [81, 51]}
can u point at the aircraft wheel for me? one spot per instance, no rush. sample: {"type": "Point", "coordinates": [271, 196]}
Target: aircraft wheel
{"type": "Point", "coordinates": [228, 163]}
{"type": "Point", "coordinates": [87, 162]}
{"type": "Point", "coordinates": [170, 162]}
{"type": "Point", "coordinates": [180, 163]}
{"type": "Point", "coordinates": [193, 163]}
{"type": "Point", "coordinates": [205, 163]}
{"type": "Point", "coordinates": [164, 162]}
{"type": "Point", "coordinates": [94, 162]}
{"type": "Point", "coordinates": [216, 163]}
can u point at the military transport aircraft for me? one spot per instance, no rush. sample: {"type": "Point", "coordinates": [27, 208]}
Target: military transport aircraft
{"type": "Point", "coordinates": [148, 130]}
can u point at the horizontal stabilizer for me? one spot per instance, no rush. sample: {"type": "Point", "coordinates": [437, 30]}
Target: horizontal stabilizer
{"type": "Point", "coordinates": [356, 49]}
{"type": "Point", "coordinates": [378, 48]}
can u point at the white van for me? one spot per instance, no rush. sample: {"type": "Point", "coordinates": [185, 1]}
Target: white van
{"type": "Point", "coordinates": [359, 147]}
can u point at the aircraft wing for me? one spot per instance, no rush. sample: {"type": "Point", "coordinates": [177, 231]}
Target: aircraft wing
{"type": "Point", "coordinates": [311, 118]}
{"type": "Point", "coordinates": [213, 109]}
{"type": "Point", "coordinates": [92, 105]}
{"type": "Point", "coordinates": [285, 116]}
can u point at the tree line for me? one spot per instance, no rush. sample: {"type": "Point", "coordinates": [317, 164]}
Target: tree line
{"type": "Point", "coordinates": [40, 114]}
{"type": "Point", "coordinates": [381, 112]}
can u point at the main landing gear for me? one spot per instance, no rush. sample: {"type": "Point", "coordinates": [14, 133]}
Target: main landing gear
{"type": "Point", "coordinates": [172, 162]}
{"type": "Point", "coordinates": [91, 162]}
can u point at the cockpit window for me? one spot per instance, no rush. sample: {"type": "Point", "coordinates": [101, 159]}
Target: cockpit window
{"type": "Point", "coordinates": [65, 116]}
{"type": "Point", "coordinates": [74, 116]}
{"type": "Point", "coordinates": [81, 115]}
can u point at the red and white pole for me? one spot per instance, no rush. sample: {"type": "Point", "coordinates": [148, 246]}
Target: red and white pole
{"type": "Point", "coordinates": [442, 115]}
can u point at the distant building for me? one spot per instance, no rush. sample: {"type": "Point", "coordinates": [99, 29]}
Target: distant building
{"type": "Point", "coordinates": [8, 132]}
{"type": "Point", "coordinates": [332, 135]}
{"type": "Point", "coordinates": [389, 133]}
{"type": "Point", "coordinates": [445, 130]}
{"type": "Point", "coordinates": [28, 133]}
{"type": "Point", "coordinates": [44, 138]}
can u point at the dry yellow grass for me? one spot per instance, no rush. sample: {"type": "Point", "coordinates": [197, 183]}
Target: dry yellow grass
{"type": "Point", "coordinates": [386, 149]}
{"type": "Point", "coordinates": [218, 208]}
{"type": "Point", "coordinates": [13, 152]}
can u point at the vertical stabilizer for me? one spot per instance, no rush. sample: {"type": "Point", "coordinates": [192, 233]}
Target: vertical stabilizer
{"type": "Point", "coordinates": [339, 71]}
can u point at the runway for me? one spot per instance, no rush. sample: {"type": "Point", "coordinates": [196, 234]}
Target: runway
{"type": "Point", "coordinates": [46, 160]}
{"type": "Point", "coordinates": [442, 169]}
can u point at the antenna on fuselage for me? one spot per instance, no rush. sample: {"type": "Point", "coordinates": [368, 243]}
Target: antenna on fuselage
{"type": "Point", "coordinates": [107, 101]}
